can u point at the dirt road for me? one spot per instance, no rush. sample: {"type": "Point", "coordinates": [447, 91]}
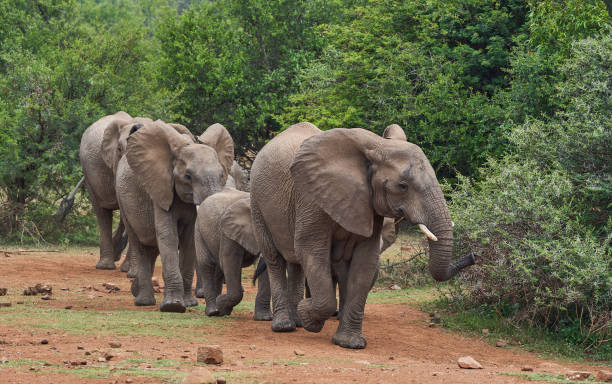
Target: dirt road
{"type": "Point", "coordinates": [67, 339]}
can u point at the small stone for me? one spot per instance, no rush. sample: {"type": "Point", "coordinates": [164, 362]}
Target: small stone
{"type": "Point", "coordinates": [20, 302]}
{"type": "Point", "coordinates": [78, 362]}
{"type": "Point", "coordinates": [252, 347]}
{"type": "Point", "coordinates": [44, 341]}
{"type": "Point", "coordinates": [43, 288]}
{"type": "Point", "coordinates": [3, 291]}
{"type": "Point", "coordinates": [65, 289]}
{"type": "Point", "coordinates": [221, 380]}
{"type": "Point", "coordinates": [242, 356]}
{"type": "Point", "coordinates": [431, 325]}
{"type": "Point", "coordinates": [5, 305]}
{"type": "Point", "coordinates": [200, 375]}
{"type": "Point", "coordinates": [108, 356]}
{"type": "Point", "coordinates": [435, 373]}
{"type": "Point", "coordinates": [485, 331]}
{"type": "Point", "coordinates": [395, 287]}
{"type": "Point", "coordinates": [468, 362]}
{"type": "Point", "coordinates": [210, 354]}
{"type": "Point", "coordinates": [87, 353]}
{"type": "Point", "coordinates": [30, 291]}
{"type": "Point", "coordinates": [391, 358]}
{"type": "Point", "coordinates": [129, 381]}
{"type": "Point", "coordinates": [527, 368]}
{"type": "Point", "coordinates": [100, 359]}
{"type": "Point", "coordinates": [184, 356]}
{"type": "Point", "coordinates": [577, 375]}
{"type": "Point", "coordinates": [68, 307]}
{"type": "Point", "coordinates": [110, 287]}
{"type": "Point", "coordinates": [3, 360]}
{"type": "Point", "coordinates": [115, 344]}
{"type": "Point", "coordinates": [299, 352]}
{"type": "Point", "coordinates": [46, 297]}
{"type": "Point", "coordinates": [501, 343]}
{"type": "Point", "coordinates": [604, 376]}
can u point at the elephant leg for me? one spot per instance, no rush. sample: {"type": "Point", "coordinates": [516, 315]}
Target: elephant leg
{"type": "Point", "coordinates": [262, 300]}
{"type": "Point", "coordinates": [361, 274]}
{"type": "Point", "coordinates": [295, 290]}
{"type": "Point", "coordinates": [207, 280]}
{"type": "Point", "coordinates": [166, 229]}
{"type": "Point", "coordinates": [105, 222]}
{"type": "Point", "coordinates": [230, 257]}
{"type": "Point", "coordinates": [276, 267]}
{"type": "Point", "coordinates": [125, 264]}
{"type": "Point", "coordinates": [142, 286]}
{"type": "Point", "coordinates": [119, 240]}
{"type": "Point", "coordinates": [132, 259]}
{"type": "Point", "coordinates": [187, 264]}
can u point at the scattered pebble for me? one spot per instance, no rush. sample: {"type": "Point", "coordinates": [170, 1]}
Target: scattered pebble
{"type": "Point", "coordinates": [221, 380]}
{"type": "Point", "coordinates": [577, 375]}
{"type": "Point", "coordinates": [527, 368]}
{"type": "Point", "coordinates": [299, 352]}
{"type": "Point", "coordinates": [468, 362]}
{"type": "Point", "coordinates": [44, 341]}
{"type": "Point", "coordinates": [395, 287]}
{"type": "Point", "coordinates": [68, 307]}
{"type": "Point", "coordinates": [3, 291]}
{"type": "Point", "coordinates": [252, 347]}
{"type": "Point", "coordinates": [210, 354]}
{"type": "Point", "coordinates": [115, 344]}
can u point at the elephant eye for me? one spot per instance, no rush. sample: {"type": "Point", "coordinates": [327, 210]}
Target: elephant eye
{"type": "Point", "coordinates": [188, 177]}
{"type": "Point", "coordinates": [403, 186]}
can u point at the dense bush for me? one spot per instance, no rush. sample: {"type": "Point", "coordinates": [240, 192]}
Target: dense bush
{"type": "Point", "coordinates": [540, 217]}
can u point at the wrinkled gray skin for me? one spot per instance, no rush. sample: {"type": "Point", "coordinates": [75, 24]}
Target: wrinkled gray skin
{"type": "Point", "coordinates": [239, 178]}
{"type": "Point", "coordinates": [317, 196]}
{"type": "Point", "coordinates": [160, 180]}
{"type": "Point", "coordinates": [99, 179]}
{"type": "Point", "coordinates": [225, 243]}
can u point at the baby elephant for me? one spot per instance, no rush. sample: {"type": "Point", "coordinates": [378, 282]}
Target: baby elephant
{"type": "Point", "coordinates": [225, 244]}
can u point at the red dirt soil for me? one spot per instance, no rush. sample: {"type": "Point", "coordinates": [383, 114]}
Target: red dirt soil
{"type": "Point", "coordinates": [402, 348]}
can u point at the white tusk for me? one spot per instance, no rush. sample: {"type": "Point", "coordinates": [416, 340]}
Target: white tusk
{"type": "Point", "coordinates": [427, 232]}
{"type": "Point", "coordinates": [452, 224]}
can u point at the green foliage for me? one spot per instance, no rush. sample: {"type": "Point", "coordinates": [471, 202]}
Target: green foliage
{"type": "Point", "coordinates": [540, 217]}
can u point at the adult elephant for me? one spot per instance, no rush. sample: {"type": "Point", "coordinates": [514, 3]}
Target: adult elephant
{"type": "Point", "coordinates": [318, 196]}
{"type": "Point", "coordinates": [238, 178]}
{"type": "Point", "coordinates": [100, 182]}
{"type": "Point", "coordinates": [225, 243]}
{"type": "Point", "coordinates": [160, 180]}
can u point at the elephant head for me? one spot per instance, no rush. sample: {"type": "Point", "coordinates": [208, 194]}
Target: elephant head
{"type": "Point", "coordinates": [166, 161]}
{"type": "Point", "coordinates": [236, 224]}
{"type": "Point", "coordinates": [354, 175]}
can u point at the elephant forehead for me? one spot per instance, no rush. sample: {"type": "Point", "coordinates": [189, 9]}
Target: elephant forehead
{"type": "Point", "coordinates": [198, 152]}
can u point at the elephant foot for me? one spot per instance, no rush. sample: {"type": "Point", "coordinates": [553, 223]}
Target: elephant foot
{"type": "Point", "coordinates": [225, 305]}
{"type": "Point", "coordinates": [190, 301]}
{"type": "Point", "coordinates": [305, 315]}
{"type": "Point", "coordinates": [211, 310]}
{"type": "Point", "coordinates": [134, 287]}
{"type": "Point", "coordinates": [199, 293]}
{"type": "Point", "coordinates": [132, 272]}
{"type": "Point", "coordinates": [282, 323]}
{"type": "Point", "coordinates": [262, 315]}
{"type": "Point", "coordinates": [173, 304]}
{"type": "Point", "coordinates": [144, 300]}
{"type": "Point", "coordinates": [106, 264]}
{"type": "Point", "coordinates": [349, 340]}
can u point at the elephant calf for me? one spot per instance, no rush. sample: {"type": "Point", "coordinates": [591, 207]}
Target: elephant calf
{"type": "Point", "coordinates": [225, 243]}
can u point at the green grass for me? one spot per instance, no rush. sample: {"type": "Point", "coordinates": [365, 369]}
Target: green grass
{"type": "Point", "coordinates": [548, 378]}
{"type": "Point", "coordinates": [116, 323]}
{"type": "Point", "coordinates": [531, 339]}
{"type": "Point", "coordinates": [411, 296]}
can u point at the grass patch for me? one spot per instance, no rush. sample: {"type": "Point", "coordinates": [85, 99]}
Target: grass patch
{"type": "Point", "coordinates": [472, 322]}
{"type": "Point", "coordinates": [411, 296]}
{"type": "Point", "coordinates": [116, 323]}
{"type": "Point", "coordinates": [546, 377]}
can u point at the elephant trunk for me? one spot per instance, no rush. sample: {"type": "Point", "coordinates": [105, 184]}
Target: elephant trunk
{"type": "Point", "coordinates": [441, 251]}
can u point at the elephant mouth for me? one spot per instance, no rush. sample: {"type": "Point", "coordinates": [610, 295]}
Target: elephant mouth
{"type": "Point", "coordinates": [402, 213]}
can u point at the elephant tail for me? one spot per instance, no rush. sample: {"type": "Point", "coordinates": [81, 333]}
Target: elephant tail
{"type": "Point", "coordinates": [67, 203]}
{"type": "Point", "coordinates": [261, 268]}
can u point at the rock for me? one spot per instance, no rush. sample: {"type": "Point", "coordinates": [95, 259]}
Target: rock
{"type": "Point", "coordinates": [431, 325]}
{"type": "Point", "coordinates": [435, 373]}
{"type": "Point", "coordinates": [577, 375]}
{"type": "Point", "coordinates": [604, 376]}
{"type": "Point", "coordinates": [391, 358]}
{"type": "Point", "coordinates": [468, 362]}
{"type": "Point", "coordinates": [485, 331]}
{"type": "Point", "coordinates": [129, 381]}
{"type": "Point", "coordinates": [435, 317]}
{"type": "Point", "coordinates": [110, 287]}
{"type": "Point", "coordinates": [78, 362]}
{"type": "Point", "coordinates": [3, 291]}
{"type": "Point", "coordinates": [87, 353]}
{"type": "Point", "coordinates": [221, 380]}
{"type": "Point", "coordinates": [115, 344]}
{"type": "Point", "coordinates": [30, 291]}
{"type": "Point", "coordinates": [252, 347]}
{"type": "Point", "coordinates": [527, 368]}
{"type": "Point", "coordinates": [5, 305]}
{"type": "Point", "coordinates": [101, 359]}
{"type": "Point", "coordinates": [43, 288]}
{"type": "Point", "coordinates": [46, 297]}
{"type": "Point", "coordinates": [108, 356]}
{"type": "Point", "coordinates": [200, 375]}
{"type": "Point", "coordinates": [210, 354]}
{"type": "Point", "coordinates": [501, 343]}
{"type": "Point", "coordinates": [65, 289]}
{"type": "Point", "coordinates": [80, 347]}
{"type": "Point", "coordinates": [68, 307]}
{"type": "Point", "coordinates": [395, 287]}
{"type": "Point", "coordinates": [299, 352]}
{"type": "Point", "coordinates": [44, 341]}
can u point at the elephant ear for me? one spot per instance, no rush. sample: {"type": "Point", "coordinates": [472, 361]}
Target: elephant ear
{"type": "Point", "coordinates": [151, 150]}
{"type": "Point", "coordinates": [217, 137]}
{"type": "Point", "coordinates": [110, 143]}
{"type": "Point", "coordinates": [394, 132]}
{"type": "Point", "coordinates": [331, 169]}
{"type": "Point", "coordinates": [237, 225]}
{"type": "Point", "coordinates": [183, 130]}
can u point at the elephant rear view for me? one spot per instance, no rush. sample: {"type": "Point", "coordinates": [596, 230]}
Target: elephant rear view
{"type": "Point", "coordinates": [225, 243]}
{"type": "Point", "coordinates": [318, 196]}
{"type": "Point", "coordinates": [160, 180]}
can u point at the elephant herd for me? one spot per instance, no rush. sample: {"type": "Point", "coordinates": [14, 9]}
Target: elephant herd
{"type": "Point", "coordinates": [319, 208]}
